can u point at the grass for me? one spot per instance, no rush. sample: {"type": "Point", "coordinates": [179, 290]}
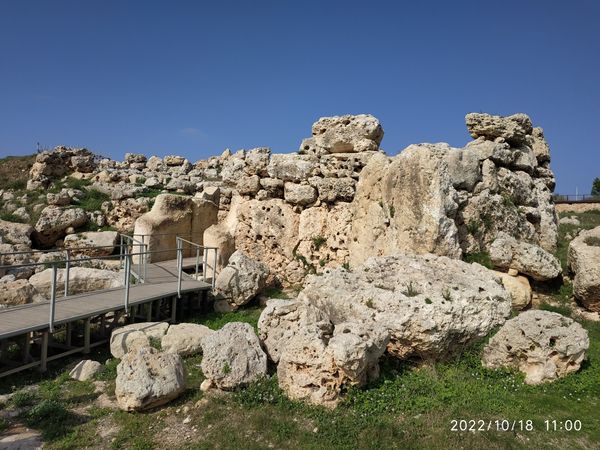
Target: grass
{"type": "Point", "coordinates": [215, 321]}
{"type": "Point", "coordinates": [318, 241]}
{"type": "Point", "coordinates": [10, 217]}
{"type": "Point", "coordinates": [588, 220]}
{"type": "Point", "coordinates": [482, 258]}
{"type": "Point", "coordinates": [92, 200]}
{"type": "Point", "coordinates": [14, 171]}
{"type": "Point", "coordinates": [409, 406]}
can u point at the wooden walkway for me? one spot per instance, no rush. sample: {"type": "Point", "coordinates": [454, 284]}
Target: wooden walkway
{"type": "Point", "coordinates": [28, 320]}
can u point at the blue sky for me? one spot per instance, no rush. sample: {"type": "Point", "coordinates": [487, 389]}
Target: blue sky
{"type": "Point", "coordinates": [193, 78]}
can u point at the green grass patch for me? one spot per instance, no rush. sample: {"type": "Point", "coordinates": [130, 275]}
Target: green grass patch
{"type": "Point", "coordinates": [10, 217]}
{"type": "Point", "coordinates": [215, 320]}
{"type": "Point", "coordinates": [92, 200]}
{"type": "Point", "coordinates": [482, 258]}
{"type": "Point", "coordinates": [14, 171]}
{"type": "Point", "coordinates": [588, 220]}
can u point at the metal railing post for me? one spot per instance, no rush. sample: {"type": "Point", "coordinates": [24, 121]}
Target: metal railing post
{"type": "Point", "coordinates": [179, 266]}
{"type": "Point", "coordinates": [214, 271]}
{"type": "Point", "coordinates": [197, 260]}
{"type": "Point", "coordinates": [121, 251]}
{"type": "Point", "coordinates": [127, 281]}
{"type": "Point", "coordinates": [52, 299]}
{"type": "Point", "coordinates": [67, 270]}
{"type": "Point", "coordinates": [140, 261]}
{"type": "Point", "coordinates": [204, 262]}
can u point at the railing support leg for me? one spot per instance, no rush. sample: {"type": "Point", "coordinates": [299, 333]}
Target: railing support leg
{"type": "Point", "coordinates": [127, 280]}
{"type": "Point", "coordinates": [197, 260]}
{"type": "Point", "coordinates": [44, 352]}
{"type": "Point", "coordinates": [86, 336]}
{"type": "Point", "coordinates": [214, 274]}
{"type": "Point", "coordinates": [69, 333]}
{"type": "Point", "coordinates": [67, 271]}
{"type": "Point", "coordinates": [26, 350]}
{"type": "Point", "coordinates": [174, 309]}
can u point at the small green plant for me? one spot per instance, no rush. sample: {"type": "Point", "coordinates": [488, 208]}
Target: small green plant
{"type": "Point", "coordinates": [473, 227]}
{"type": "Point", "coordinates": [487, 221]}
{"type": "Point", "coordinates": [322, 262]}
{"type": "Point", "coordinates": [428, 301]}
{"type": "Point", "coordinates": [226, 369]}
{"type": "Point", "coordinates": [369, 303]}
{"type": "Point", "coordinates": [392, 212]}
{"type": "Point", "coordinates": [75, 183]}
{"type": "Point", "coordinates": [482, 258]}
{"type": "Point", "coordinates": [155, 343]}
{"type": "Point", "coordinates": [92, 200]}
{"type": "Point", "coordinates": [593, 241]}
{"type": "Point", "coordinates": [318, 241]}
{"type": "Point", "coordinates": [508, 201]}
{"type": "Point", "coordinates": [411, 290]}
{"type": "Point", "coordinates": [346, 266]}
{"type": "Point", "coordinates": [447, 295]}
{"type": "Point", "coordinates": [10, 217]}
{"type": "Point", "coordinates": [16, 185]}
{"type": "Point", "coordinates": [23, 398]}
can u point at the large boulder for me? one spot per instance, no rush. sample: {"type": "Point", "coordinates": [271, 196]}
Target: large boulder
{"type": "Point", "coordinates": [184, 339]}
{"type": "Point", "coordinates": [299, 194]}
{"type": "Point", "coordinates": [147, 378]}
{"type": "Point", "coordinates": [518, 287]}
{"type": "Point", "coordinates": [175, 215]}
{"type": "Point", "coordinates": [294, 168]}
{"type": "Point", "coordinates": [81, 280]}
{"type": "Point", "coordinates": [15, 233]}
{"type": "Point", "coordinates": [543, 345]}
{"type": "Point", "coordinates": [54, 221]}
{"type": "Point", "coordinates": [514, 129]}
{"type": "Point", "coordinates": [17, 292]}
{"type": "Point", "coordinates": [431, 305]}
{"type": "Point", "coordinates": [584, 262]}
{"type": "Point", "coordinates": [281, 320]}
{"type": "Point", "coordinates": [319, 368]}
{"type": "Point", "coordinates": [122, 214]}
{"type": "Point", "coordinates": [126, 338]}
{"type": "Point", "coordinates": [85, 370]}
{"type": "Point", "coordinates": [104, 243]}
{"type": "Point", "coordinates": [241, 280]}
{"type": "Point", "coordinates": [344, 134]}
{"type": "Point", "coordinates": [508, 253]}
{"type": "Point", "coordinates": [233, 357]}
{"type": "Point", "coordinates": [405, 204]}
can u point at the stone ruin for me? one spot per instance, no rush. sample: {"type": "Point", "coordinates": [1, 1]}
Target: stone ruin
{"type": "Point", "coordinates": [340, 199]}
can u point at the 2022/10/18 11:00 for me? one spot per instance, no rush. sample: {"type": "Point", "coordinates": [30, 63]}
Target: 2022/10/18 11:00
{"type": "Point", "coordinates": [563, 425]}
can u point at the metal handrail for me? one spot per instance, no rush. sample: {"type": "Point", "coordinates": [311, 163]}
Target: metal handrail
{"type": "Point", "coordinates": [58, 250]}
{"type": "Point", "coordinates": [126, 275]}
{"type": "Point", "coordinates": [142, 262]}
{"type": "Point", "coordinates": [87, 258]}
{"type": "Point", "coordinates": [180, 241]}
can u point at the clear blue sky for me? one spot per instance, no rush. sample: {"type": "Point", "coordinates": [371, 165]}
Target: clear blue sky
{"type": "Point", "coordinates": [193, 78]}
